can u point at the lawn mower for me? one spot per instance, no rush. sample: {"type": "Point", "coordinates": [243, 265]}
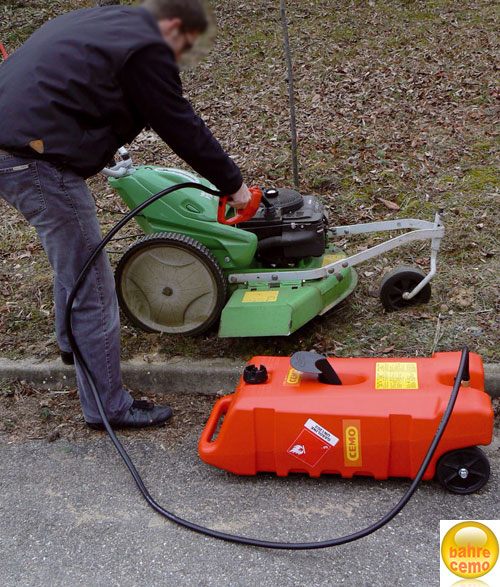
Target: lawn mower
{"type": "Point", "coordinates": [265, 272]}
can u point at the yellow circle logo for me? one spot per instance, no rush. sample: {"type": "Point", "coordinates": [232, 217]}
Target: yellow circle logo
{"type": "Point", "coordinates": [469, 550]}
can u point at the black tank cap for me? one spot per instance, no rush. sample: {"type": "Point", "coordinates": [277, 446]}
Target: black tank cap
{"type": "Point", "coordinates": [254, 375]}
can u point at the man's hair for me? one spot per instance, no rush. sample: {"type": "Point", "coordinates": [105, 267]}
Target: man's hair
{"type": "Point", "coordinates": [191, 13]}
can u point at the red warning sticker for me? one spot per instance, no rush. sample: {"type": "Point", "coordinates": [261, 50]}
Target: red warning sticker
{"type": "Point", "coordinates": [312, 444]}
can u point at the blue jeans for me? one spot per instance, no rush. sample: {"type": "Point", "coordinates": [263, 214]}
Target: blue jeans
{"type": "Point", "coordinates": [59, 205]}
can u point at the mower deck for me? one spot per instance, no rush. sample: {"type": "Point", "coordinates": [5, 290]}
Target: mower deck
{"type": "Point", "coordinates": [264, 309]}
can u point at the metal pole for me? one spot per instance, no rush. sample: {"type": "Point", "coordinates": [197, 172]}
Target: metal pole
{"type": "Point", "coordinates": [293, 123]}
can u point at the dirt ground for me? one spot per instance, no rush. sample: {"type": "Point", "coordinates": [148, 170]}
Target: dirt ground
{"type": "Point", "coordinates": [27, 414]}
{"type": "Point", "coordinates": [398, 110]}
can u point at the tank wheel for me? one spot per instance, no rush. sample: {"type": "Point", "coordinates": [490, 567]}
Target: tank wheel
{"type": "Point", "coordinates": [399, 281]}
{"type": "Point", "coordinates": [171, 283]}
{"type": "Point", "coordinates": [464, 470]}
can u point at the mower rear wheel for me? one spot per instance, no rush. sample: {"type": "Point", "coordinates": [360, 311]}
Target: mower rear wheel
{"type": "Point", "coordinates": [171, 283]}
{"type": "Point", "coordinates": [463, 470]}
{"type": "Point", "coordinates": [399, 281]}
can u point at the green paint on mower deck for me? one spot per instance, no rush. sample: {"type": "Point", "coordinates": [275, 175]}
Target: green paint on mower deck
{"type": "Point", "coordinates": [291, 305]}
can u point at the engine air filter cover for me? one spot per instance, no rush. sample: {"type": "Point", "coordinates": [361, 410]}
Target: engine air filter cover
{"type": "Point", "coordinates": [284, 199]}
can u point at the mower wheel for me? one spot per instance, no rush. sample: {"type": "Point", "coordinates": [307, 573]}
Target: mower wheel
{"type": "Point", "coordinates": [464, 470]}
{"type": "Point", "coordinates": [399, 281]}
{"type": "Point", "coordinates": [171, 283]}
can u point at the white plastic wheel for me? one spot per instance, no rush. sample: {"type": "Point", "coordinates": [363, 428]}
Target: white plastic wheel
{"type": "Point", "coordinates": [170, 283]}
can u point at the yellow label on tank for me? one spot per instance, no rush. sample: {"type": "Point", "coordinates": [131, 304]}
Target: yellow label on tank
{"type": "Point", "coordinates": [293, 377]}
{"type": "Point", "coordinates": [352, 443]}
{"type": "Point", "coordinates": [390, 375]}
{"type": "Point", "coordinates": [260, 296]}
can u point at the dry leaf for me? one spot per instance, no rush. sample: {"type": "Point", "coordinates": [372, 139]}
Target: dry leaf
{"type": "Point", "coordinates": [389, 204]}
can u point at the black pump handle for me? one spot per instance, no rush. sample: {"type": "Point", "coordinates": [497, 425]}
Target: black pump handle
{"type": "Point", "coordinates": [311, 362]}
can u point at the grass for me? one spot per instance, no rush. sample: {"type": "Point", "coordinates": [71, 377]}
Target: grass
{"type": "Point", "coordinates": [395, 99]}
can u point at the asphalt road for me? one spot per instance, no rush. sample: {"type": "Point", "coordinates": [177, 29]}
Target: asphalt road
{"type": "Point", "coordinates": [71, 515]}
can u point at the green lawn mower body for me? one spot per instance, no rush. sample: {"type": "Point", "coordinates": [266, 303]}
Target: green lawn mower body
{"type": "Point", "coordinates": [178, 278]}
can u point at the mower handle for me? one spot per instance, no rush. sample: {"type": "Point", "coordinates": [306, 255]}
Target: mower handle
{"type": "Point", "coordinates": [241, 215]}
{"type": "Point", "coordinates": [120, 168]}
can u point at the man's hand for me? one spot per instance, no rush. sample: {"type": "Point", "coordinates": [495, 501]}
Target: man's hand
{"type": "Point", "coordinates": [240, 199]}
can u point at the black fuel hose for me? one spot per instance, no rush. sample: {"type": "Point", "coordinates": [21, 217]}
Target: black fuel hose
{"type": "Point", "coordinates": [462, 370]}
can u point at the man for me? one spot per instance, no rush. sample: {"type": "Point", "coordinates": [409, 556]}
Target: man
{"type": "Point", "coordinates": [84, 84]}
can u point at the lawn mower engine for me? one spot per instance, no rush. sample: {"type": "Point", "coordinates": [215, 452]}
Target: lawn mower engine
{"type": "Point", "coordinates": [289, 227]}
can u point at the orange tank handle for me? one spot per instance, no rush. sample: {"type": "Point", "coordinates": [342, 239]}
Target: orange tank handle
{"type": "Point", "coordinates": [241, 215]}
{"type": "Point", "coordinates": [221, 407]}
{"type": "Point", "coordinates": [3, 51]}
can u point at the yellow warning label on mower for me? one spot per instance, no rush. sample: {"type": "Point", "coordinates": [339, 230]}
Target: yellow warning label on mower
{"type": "Point", "coordinates": [396, 376]}
{"type": "Point", "coordinates": [260, 296]}
{"type": "Point", "coordinates": [327, 259]}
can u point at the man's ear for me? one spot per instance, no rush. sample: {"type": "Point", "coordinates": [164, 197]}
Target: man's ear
{"type": "Point", "coordinates": [167, 25]}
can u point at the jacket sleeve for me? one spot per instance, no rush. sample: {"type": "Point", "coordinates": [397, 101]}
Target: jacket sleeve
{"type": "Point", "coordinates": [151, 82]}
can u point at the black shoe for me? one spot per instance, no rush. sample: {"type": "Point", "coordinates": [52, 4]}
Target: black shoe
{"type": "Point", "coordinates": [141, 414]}
{"type": "Point", "coordinates": [67, 357]}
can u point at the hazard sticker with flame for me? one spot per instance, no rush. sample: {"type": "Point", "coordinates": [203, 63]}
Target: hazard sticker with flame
{"type": "Point", "coordinates": [312, 444]}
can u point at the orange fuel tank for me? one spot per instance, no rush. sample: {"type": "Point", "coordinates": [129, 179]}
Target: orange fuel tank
{"type": "Point", "coordinates": [379, 422]}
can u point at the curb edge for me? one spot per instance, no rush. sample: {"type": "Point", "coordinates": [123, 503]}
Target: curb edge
{"type": "Point", "coordinates": [208, 377]}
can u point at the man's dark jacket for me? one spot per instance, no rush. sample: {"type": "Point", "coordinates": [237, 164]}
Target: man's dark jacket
{"type": "Point", "coordinates": [88, 82]}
